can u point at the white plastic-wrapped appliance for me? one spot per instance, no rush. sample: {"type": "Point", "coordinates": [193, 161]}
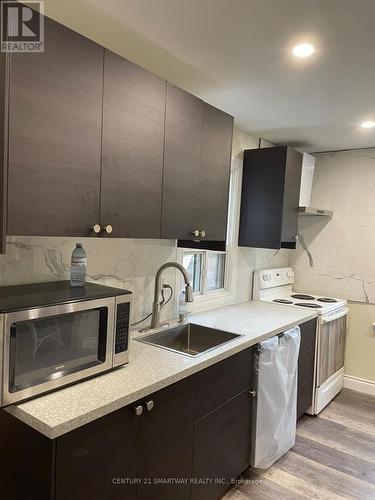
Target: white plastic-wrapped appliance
{"type": "Point", "coordinates": [275, 408]}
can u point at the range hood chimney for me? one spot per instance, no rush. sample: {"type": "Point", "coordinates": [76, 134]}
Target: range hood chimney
{"type": "Point", "coordinates": [307, 177]}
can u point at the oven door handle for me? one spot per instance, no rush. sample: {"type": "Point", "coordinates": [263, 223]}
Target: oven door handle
{"type": "Point", "coordinates": [340, 314]}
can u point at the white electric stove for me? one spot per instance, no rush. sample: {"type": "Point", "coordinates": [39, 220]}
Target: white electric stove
{"type": "Point", "coordinates": [277, 286]}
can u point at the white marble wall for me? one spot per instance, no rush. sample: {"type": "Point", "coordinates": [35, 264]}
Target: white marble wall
{"type": "Point", "coordinates": [337, 257]}
{"type": "Point", "coordinates": [252, 259]}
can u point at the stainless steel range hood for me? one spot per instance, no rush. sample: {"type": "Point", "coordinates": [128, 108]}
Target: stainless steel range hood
{"type": "Point", "coordinates": [315, 211]}
{"type": "Point", "coordinates": [308, 167]}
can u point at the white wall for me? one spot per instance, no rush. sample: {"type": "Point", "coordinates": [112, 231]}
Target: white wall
{"type": "Point", "coordinates": [337, 257]}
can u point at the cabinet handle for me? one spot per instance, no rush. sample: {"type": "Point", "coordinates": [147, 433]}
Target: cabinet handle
{"type": "Point", "coordinates": [96, 228]}
{"type": "Point", "coordinates": [149, 405]}
{"type": "Point", "coordinates": [138, 410]}
{"type": "Point", "coordinates": [102, 229]}
{"type": "Point", "coordinates": [253, 393]}
{"type": "Point", "coordinates": [196, 233]}
{"type": "Point", "coordinates": [202, 234]}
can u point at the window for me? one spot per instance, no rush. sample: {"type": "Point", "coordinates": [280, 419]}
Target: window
{"type": "Point", "coordinates": [206, 270]}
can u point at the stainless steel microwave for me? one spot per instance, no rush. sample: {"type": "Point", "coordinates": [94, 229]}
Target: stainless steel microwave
{"type": "Point", "coordinates": [52, 334]}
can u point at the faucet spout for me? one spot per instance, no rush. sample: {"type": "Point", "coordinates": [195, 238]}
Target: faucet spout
{"type": "Point", "coordinates": [155, 318]}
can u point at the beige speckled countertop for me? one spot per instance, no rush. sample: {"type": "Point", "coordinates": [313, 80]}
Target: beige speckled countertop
{"type": "Point", "coordinates": [152, 368]}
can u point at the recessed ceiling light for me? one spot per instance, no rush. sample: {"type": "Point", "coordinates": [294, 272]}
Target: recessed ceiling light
{"type": "Point", "coordinates": [368, 124]}
{"type": "Point", "coordinates": [303, 50]}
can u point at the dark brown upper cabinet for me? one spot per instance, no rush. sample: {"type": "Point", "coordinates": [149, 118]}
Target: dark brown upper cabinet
{"type": "Point", "coordinates": [92, 142]}
{"type": "Point", "coordinates": [182, 156]}
{"type": "Point", "coordinates": [4, 105]}
{"type": "Point", "coordinates": [215, 172]}
{"type": "Point", "coordinates": [133, 144]}
{"type": "Point", "coordinates": [55, 136]}
{"type": "Point", "coordinates": [198, 140]}
{"type": "Point", "coordinates": [270, 196]}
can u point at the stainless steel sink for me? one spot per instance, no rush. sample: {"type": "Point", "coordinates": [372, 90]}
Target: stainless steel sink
{"type": "Point", "coordinates": [188, 339]}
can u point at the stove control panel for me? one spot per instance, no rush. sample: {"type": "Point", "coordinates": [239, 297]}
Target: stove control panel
{"type": "Point", "coordinates": [269, 278]}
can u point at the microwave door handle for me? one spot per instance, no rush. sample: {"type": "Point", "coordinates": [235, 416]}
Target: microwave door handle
{"type": "Point", "coordinates": [340, 314]}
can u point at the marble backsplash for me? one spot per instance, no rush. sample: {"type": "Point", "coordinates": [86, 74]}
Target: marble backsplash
{"type": "Point", "coordinates": [122, 263]}
{"type": "Point", "coordinates": [337, 256]}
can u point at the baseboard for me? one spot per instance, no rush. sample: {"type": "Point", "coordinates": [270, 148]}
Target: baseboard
{"type": "Point", "coordinates": [359, 385]}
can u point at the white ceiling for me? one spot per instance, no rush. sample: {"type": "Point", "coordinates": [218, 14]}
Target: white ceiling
{"type": "Point", "coordinates": [236, 54]}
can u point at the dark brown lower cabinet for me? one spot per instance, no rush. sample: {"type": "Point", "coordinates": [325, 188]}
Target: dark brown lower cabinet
{"type": "Point", "coordinates": [306, 360]}
{"type": "Point", "coordinates": [221, 448]}
{"type": "Point", "coordinates": [191, 441]}
{"type": "Point", "coordinates": [92, 460]}
{"type": "Point", "coordinates": [166, 444]}
{"type": "Point", "coordinates": [27, 461]}
{"type": "Point", "coordinates": [125, 456]}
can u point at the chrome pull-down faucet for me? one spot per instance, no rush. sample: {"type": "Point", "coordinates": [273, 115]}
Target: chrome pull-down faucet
{"type": "Point", "coordinates": [155, 318]}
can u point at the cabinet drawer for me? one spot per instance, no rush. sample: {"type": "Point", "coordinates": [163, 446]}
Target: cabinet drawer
{"type": "Point", "coordinates": [219, 383]}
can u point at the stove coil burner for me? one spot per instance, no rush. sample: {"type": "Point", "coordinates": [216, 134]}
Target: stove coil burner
{"type": "Point", "coordinates": [302, 296]}
{"type": "Point", "coordinates": [308, 304]}
{"type": "Point", "coordinates": [283, 301]}
{"type": "Point", "coordinates": [326, 299]}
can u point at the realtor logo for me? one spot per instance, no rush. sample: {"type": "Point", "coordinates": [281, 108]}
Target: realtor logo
{"type": "Point", "coordinates": [22, 26]}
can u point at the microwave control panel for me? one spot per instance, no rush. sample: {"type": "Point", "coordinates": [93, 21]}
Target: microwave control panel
{"type": "Point", "coordinates": [122, 327]}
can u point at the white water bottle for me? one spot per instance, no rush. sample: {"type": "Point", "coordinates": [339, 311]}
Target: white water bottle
{"type": "Point", "coordinates": [78, 266]}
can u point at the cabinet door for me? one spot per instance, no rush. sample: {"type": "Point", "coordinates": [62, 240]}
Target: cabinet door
{"type": "Point", "coordinates": [262, 197]}
{"type": "Point", "coordinates": [306, 362]}
{"type": "Point", "coordinates": [221, 448]}
{"type": "Point", "coordinates": [215, 172]}
{"type": "Point", "coordinates": [55, 136]}
{"type": "Point", "coordinates": [182, 156]}
{"type": "Point", "coordinates": [27, 461]}
{"type": "Point", "coordinates": [166, 444]}
{"type": "Point", "coordinates": [133, 143]}
{"type": "Point", "coordinates": [4, 89]}
{"type": "Point", "coordinates": [99, 460]}
{"type": "Point", "coordinates": [270, 197]}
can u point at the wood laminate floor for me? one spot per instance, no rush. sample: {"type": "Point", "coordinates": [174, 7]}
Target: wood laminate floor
{"type": "Point", "coordinates": [334, 457]}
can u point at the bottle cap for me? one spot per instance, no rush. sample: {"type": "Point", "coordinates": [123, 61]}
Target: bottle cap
{"type": "Point", "coordinates": [79, 245]}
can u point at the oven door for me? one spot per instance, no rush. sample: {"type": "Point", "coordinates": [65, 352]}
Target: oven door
{"type": "Point", "coordinates": [331, 348]}
{"type": "Point", "coordinates": [52, 346]}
